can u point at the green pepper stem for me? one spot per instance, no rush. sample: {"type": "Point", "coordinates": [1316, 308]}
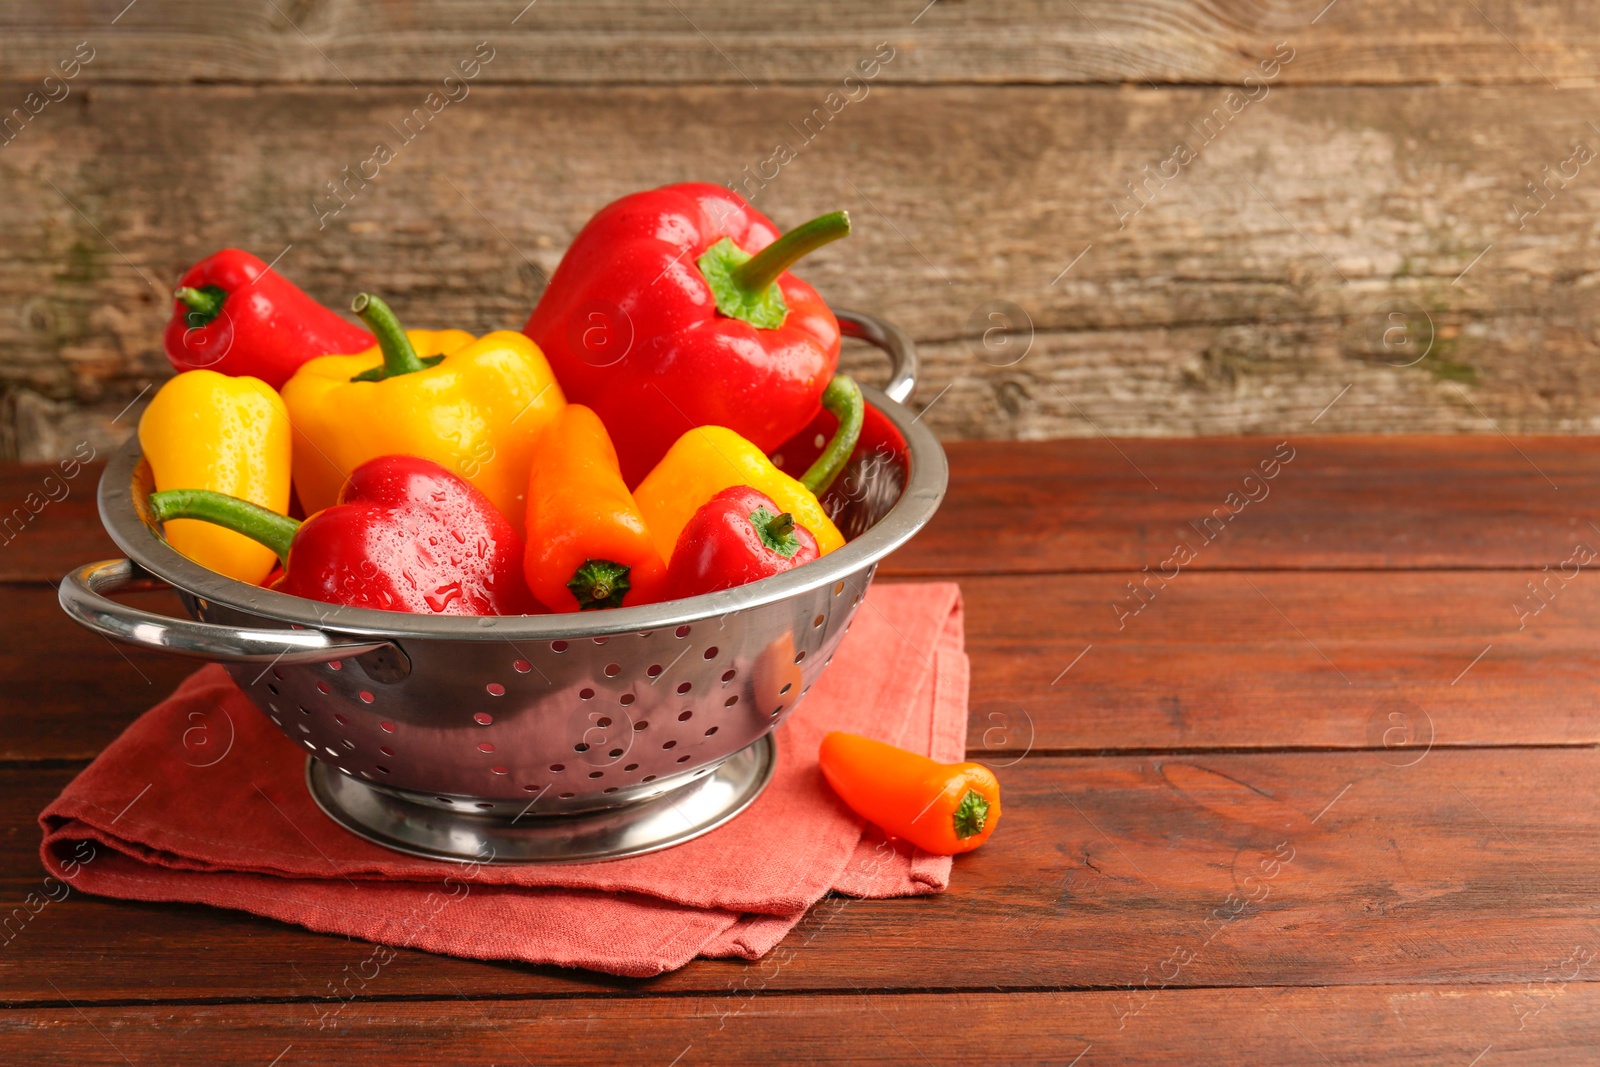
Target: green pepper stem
{"type": "Point", "coordinates": [970, 815]}
{"type": "Point", "coordinates": [206, 302]}
{"type": "Point", "coordinates": [242, 517]}
{"type": "Point", "coordinates": [600, 583]}
{"type": "Point", "coordinates": [763, 268]}
{"type": "Point", "coordinates": [843, 398]}
{"type": "Point", "coordinates": [398, 355]}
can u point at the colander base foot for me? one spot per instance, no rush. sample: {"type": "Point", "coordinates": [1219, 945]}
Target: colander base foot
{"type": "Point", "coordinates": [685, 813]}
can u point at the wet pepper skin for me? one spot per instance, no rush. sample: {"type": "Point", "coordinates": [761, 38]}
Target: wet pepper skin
{"type": "Point", "coordinates": [738, 536]}
{"type": "Point", "coordinates": [631, 328]}
{"type": "Point", "coordinates": [407, 535]}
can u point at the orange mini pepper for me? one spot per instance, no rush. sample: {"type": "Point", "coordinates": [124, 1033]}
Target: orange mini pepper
{"type": "Point", "coordinates": [588, 545]}
{"type": "Point", "coordinates": [943, 808]}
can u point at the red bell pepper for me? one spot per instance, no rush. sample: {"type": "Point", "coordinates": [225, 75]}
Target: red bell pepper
{"type": "Point", "coordinates": [737, 537]}
{"type": "Point", "coordinates": [406, 535]}
{"type": "Point", "coordinates": [674, 309]}
{"type": "Point", "coordinates": [232, 315]}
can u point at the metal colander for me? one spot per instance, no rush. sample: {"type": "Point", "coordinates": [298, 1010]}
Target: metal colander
{"type": "Point", "coordinates": [540, 738]}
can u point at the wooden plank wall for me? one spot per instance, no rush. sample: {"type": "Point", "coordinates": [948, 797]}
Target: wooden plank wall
{"type": "Point", "coordinates": [1194, 218]}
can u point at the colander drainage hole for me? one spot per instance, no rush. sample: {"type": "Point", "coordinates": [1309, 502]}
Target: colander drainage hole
{"type": "Point", "coordinates": [304, 710]}
{"type": "Point", "coordinates": [816, 622]}
{"type": "Point", "coordinates": [586, 694]}
{"type": "Point", "coordinates": [711, 731]}
{"type": "Point", "coordinates": [642, 724]}
{"type": "Point", "coordinates": [601, 640]}
{"type": "Point", "coordinates": [330, 751]}
{"type": "Point", "coordinates": [838, 587]}
{"type": "Point", "coordinates": [558, 767]}
{"type": "Point", "coordinates": [684, 758]}
{"type": "Point", "coordinates": [387, 751]}
{"type": "Point", "coordinates": [532, 788]}
{"type": "Point", "coordinates": [616, 753]}
{"type": "Point", "coordinates": [341, 720]}
{"type": "Point", "coordinates": [670, 744]}
{"type": "Point", "coordinates": [786, 687]}
{"type": "Point", "coordinates": [654, 670]}
{"type": "Point", "coordinates": [444, 800]}
{"type": "Point", "coordinates": [682, 631]}
{"type": "Point", "coordinates": [483, 718]}
{"type": "Point", "coordinates": [777, 709]}
{"type": "Point", "coordinates": [729, 674]}
{"type": "Point", "coordinates": [381, 769]}
{"type": "Point", "coordinates": [798, 656]}
{"type": "Point", "coordinates": [334, 665]}
{"type": "Point", "coordinates": [566, 796]}
{"type": "Point", "coordinates": [648, 778]}
{"type": "Point", "coordinates": [501, 770]}
{"type": "Point", "coordinates": [558, 646]}
{"type": "Point", "coordinates": [597, 774]}
{"type": "Point", "coordinates": [522, 666]}
{"type": "Point", "coordinates": [631, 767]}
{"type": "Point", "coordinates": [603, 721]}
{"type": "Point", "coordinates": [485, 746]}
{"type": "Point", "coordinates": [685, 715]}
{"type": "Point", "coordinates": [386, 727]}
{"type": "Point", "coordinates": [711, 653]}
{"type": "Point", "coordinates": [272, 689]}
{"type": "Point", "coordinates": [613, 789]}
{"type": "Point", "coordinates": [324, 688]}
{"type": "Point", "coordinates": [626, 699]}
{"type": "Point", "coordinates": [366, 697]}
{"type": "Point", "coordinates": [484, 807]}
{"type": "Point", "coordinates": [731, 701]}
{"type": "Point", "coordinates": [613, 669]}
{"type": "Point", "coordinates": [580, 747]}
{"type": "Point", "coordinates": [495, 689]}
{"type": "Point", "coordinates": [684, 687]}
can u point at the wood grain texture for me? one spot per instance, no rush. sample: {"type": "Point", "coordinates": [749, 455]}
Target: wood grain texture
{"type": "Point", "coordinates": [1214, 660]}
{"type": "Point", "coordinates": [1253, 289]}
{"type": "Point", "coordinates": [1054, 507]}
{"type": "Point", "coordinates": [1142, 41]}
{"type": "Point", "coordinates": [1426, 1028]}
{"type": "Point", "coordinates": [1305, 869]}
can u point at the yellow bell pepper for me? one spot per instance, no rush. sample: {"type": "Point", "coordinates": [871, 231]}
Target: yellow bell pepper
{"type": "Point", "coordinates": [205, 430]}
{"type": "Point", "coordinates": [475, 406]}
{"type": "Point", "coordinates": [704, 462]}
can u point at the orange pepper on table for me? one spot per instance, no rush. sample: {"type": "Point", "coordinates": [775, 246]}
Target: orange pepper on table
{"type": "Point", "coordinates": [943, 808]}
{"type": "Point", "coordinates": [588, 545]}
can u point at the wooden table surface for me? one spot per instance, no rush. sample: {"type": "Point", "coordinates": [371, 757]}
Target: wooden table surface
{"type": "Point", "coordinates": [1326, 798]}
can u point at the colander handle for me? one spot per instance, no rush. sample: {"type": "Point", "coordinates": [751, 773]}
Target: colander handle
{"type": "Point", "coordinates": [83, 596]}
{"type": "Point", "coordinates": [894, 341]}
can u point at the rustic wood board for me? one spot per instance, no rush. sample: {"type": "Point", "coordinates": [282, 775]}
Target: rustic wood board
{"type": "Point", "coordinates": [1360, 868]}
{"type": "Point", "coordinates": [1256, 286]}
{"type": "Point", "coordinates": [1421, 1027]}
{"type": "Point", "coordinates": [1144, 41]}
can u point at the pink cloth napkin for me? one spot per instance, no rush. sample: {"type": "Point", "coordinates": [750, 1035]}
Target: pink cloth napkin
{"type": "Point", "coordinates": [142, 823]}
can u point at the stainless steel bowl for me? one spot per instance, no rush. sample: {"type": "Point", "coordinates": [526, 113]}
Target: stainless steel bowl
{"type": "Point", "coordinates": [539, 738]}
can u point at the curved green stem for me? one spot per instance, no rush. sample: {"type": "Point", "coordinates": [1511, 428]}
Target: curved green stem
{"type": "Point", "coordinates": [252, 520]}
{"type": "Point", "coordinates": [399, 357]}
{"type": "Point", "coordinates": [204, 303]}
{"type": "Point", "coordinates": [745, 286]}
{"type": "Point", "coordinates": [843, 398]}
{"type": "Point", "coordinates": [762, 269]}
